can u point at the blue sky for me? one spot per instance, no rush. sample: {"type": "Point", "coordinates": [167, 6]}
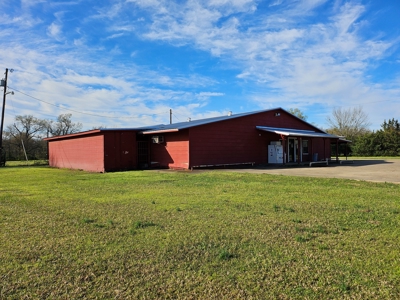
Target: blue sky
{"type": "Point", "coordinates": [125, 63]}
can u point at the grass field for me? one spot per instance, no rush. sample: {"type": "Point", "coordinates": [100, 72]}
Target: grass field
{"type": "Point", "coordinates": [208, 235]}
{"type": "Point", "coordinates": [20, 163]}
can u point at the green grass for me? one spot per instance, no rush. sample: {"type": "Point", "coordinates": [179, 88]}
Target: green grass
{"type": "Point", "coordinates": [367, 157]}
{"type": "Point", "coordinates": [208, 235]}
{"type": "Point", "coordinates": [24, 163]}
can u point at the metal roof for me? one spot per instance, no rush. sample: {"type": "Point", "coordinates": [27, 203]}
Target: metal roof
{"type": "Point", "coordinates": [164, 128]}
{"type": "Point", "coordinates": [297, 132]}
{"type": "Point", "coordinates": [193, 123]}
{"type": "Point", "coordinates": [93, 131]}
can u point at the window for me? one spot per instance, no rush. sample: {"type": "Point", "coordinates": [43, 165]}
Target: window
{"type": "Point", "coordinates": [305, 146]}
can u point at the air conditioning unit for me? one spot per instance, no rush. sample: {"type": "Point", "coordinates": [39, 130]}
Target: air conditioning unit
{"type": "Point", "coordinates": [157, 139]}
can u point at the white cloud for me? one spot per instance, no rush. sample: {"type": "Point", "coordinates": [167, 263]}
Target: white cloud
{"type": "Point", "coordinates": [210, 94]}
{"type": "Point", "coordinates": [54, 31]}
{"type": "Point", "coordinates": [305, 6]}
{"type": "Point", "coordinates": [114, 36]}
{"type": "Point", "coordinates": [284, 59]}
{"type": "Point", "coordinates": [276, 3]}
{"type": "Point", "coordinates": [26, 4]}
{"type": "Point", "coordinates": [347, 17]}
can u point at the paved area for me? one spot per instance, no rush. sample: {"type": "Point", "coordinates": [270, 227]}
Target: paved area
{"type": "Point", "coordinates": [385, 170]}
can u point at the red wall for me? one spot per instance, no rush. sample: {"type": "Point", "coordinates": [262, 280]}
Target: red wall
{"type": "Point", "coordinates": [238, 141]}
{"type": "Point", "coordinates": [232, 141]}
{"type": "Point", "coordinates": [225, 143]}
{"type": "Point", "coordinates": [100, 152]}
{"type": "Point", "coordinates": [120, 150]}
{"type": "Point", "coordinates": [84, 153]}
{"type": "Point", "coordinates": [173, 153]}
{"type": "Point", "coordinates": [317, 146]}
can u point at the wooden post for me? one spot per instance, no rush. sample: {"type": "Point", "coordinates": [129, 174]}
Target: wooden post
{"type": "Point", "coordinates": [298, 150]}
{"type": "Point", "coordinates": [337, 150]}
{"type": "Point", "coordinates": [2, 153]}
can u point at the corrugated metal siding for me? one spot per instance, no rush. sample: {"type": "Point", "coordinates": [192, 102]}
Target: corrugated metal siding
{"type": "Point", "coordinates": [230, 142]}
{"type": "Point", "coordinates": [173, 153]}
{"type": "Point", "coordinates": [238, 141]}
{"type": "Point", "coordinates": [84, 153]}
{"type": "Point", "coordinates": [120, 150]}
{"type": "Point", "coordinates": [318, 147]}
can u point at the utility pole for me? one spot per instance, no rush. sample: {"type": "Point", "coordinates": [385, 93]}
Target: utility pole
{"type": "Point", "coordinates": [2, 153]}
{"type": "Point", "coordinates": [170, 116]}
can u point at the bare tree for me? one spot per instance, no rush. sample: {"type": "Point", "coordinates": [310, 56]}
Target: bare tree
{"type": "Point", "coordinates": [99, 127]}
{"type": "Point", "coordinates": [350, 123]}
{"type": "Point", "coordinates": [26, 132]}
{"type": "Point", "coordinates": [63, 125]}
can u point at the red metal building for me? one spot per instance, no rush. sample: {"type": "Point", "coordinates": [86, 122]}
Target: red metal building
{"type": "Point", "coordinates": [227, 140]}
{"type": "Point", "coordinates": [96, 150]}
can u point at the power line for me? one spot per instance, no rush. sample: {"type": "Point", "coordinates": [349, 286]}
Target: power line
{"type": "Point", "coordinates": [79, 112]}
{"type": "Point", "coordinates": [175, 116]}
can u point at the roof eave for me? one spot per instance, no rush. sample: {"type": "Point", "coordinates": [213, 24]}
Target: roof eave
{"type": "Point", "coordinates": [287, 132]}
{"type": "Point", "coordinates": [72, 135]}
{"type": "Point", "coordinates": [159, 131]}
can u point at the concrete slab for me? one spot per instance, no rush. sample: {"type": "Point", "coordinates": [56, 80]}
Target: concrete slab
{"type": "Point", "coordinates": [375, 170]}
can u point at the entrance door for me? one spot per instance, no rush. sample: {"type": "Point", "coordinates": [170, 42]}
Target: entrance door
{"type": "Point", "coordinates": [143, 154]}
{"type": "Point", "coordinates": [292, 149]}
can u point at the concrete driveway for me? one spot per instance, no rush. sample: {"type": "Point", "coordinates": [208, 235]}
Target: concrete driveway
{"type": "Point", "coordinates": [376, 170]}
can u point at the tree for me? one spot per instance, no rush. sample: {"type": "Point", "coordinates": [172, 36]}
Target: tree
{"type": "Point", "coordinates": [63, 125]}
{"type": "Point", "coordinates": [350, 123]}
{"type": "Point", "coordinates": [366, 145]}
{"type": "Point", "coordinates": [25, 134]}
{"type": "Point", "coordinates": [28, 132]}
{"type": "Point", "coordinates": [99, 127]}
{"type": "Point", "coordinates": [384, 142]}
{"type": "Point", "coordinates": [298, 113]}
{"type": "Point", "coordinates": [389, 137]}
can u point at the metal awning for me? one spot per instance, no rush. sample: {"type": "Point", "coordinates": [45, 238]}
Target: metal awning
{"type": "Point", "coordinates": [343, 140]}
{"type": "Point", "coordinates": [297, 132]}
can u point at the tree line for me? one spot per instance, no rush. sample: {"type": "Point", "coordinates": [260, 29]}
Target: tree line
{"type": "Point", "coordinates": [23, 139]}
{"type": "Point", "coordinates": [353, 124]}
{"type": "Point", "coordinates": [383, 142]}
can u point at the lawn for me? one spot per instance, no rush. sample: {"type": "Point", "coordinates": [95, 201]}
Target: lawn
{"type": "Point", "coordinates": [195, 235]}
{"type": "Point", "coordinates": [19, 163]}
